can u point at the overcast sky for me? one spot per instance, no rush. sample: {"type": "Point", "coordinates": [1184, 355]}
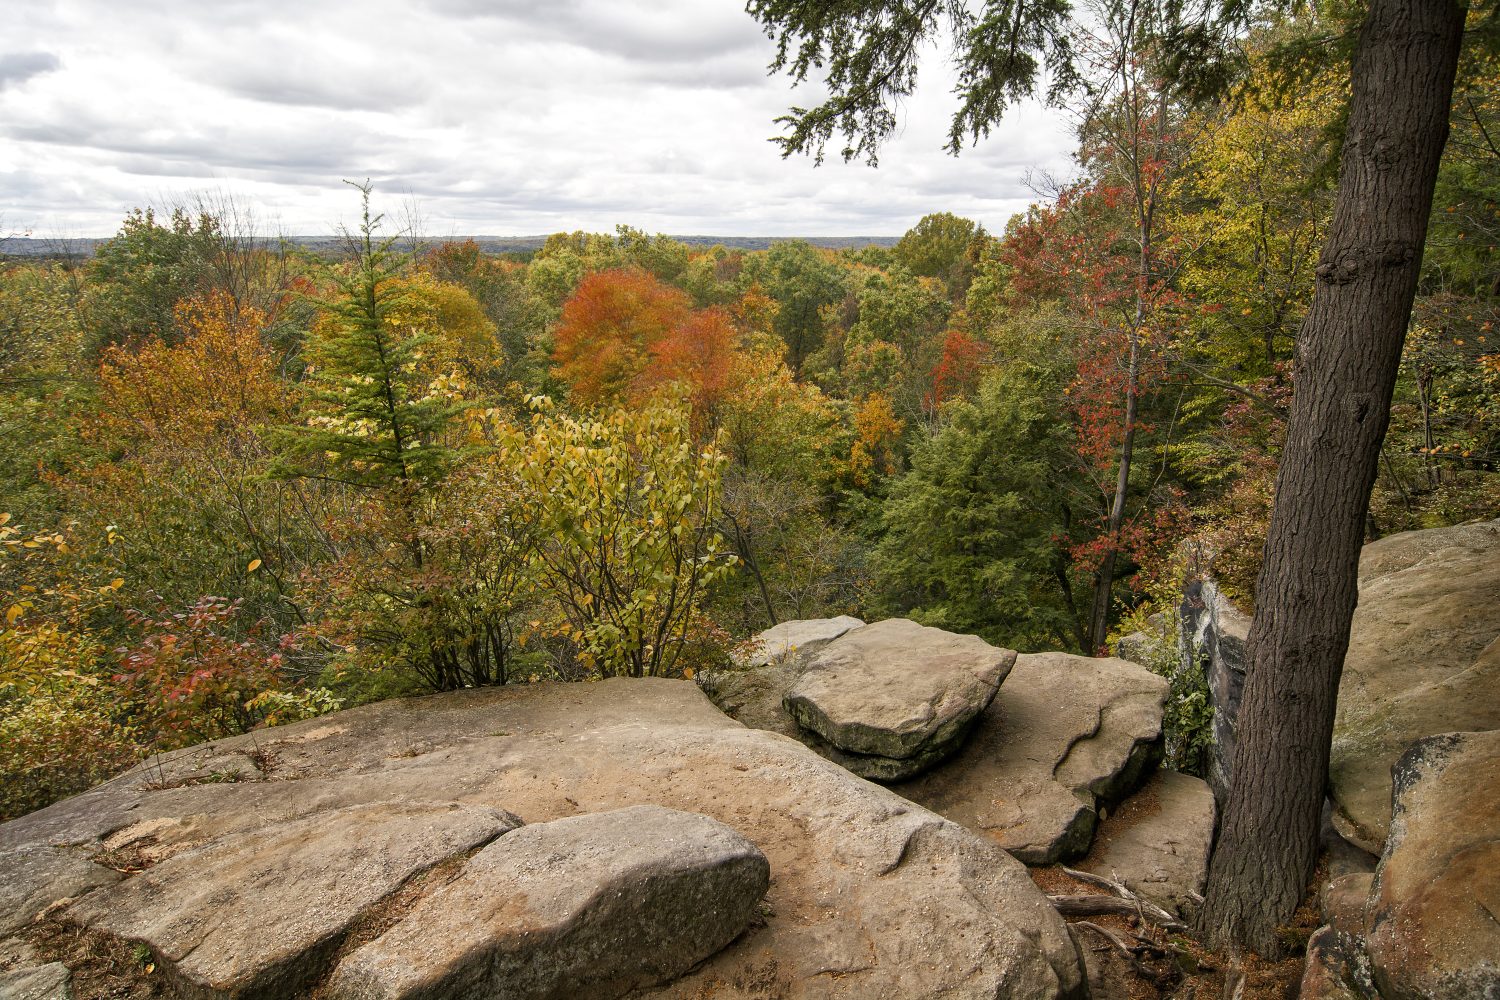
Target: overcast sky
{"type": "Point", "coordinates": [495, 117]}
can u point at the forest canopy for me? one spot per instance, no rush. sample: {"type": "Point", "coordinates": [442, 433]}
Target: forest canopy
{"type": "Point", "coordinates": [247, 483]}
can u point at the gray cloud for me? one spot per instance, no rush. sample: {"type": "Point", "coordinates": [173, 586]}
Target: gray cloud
{"type": "Point", "coordinates": [498, 116]}
{"type": "Point", "coordinates": [18, 67]}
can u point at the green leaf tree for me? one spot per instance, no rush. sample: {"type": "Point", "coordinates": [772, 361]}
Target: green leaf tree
{"type": "Point", "coordinates": [973, 532]}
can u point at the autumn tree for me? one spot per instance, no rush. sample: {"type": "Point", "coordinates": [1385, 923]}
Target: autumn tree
{"type": "Point", "coordinates": [44, 381]}
{"type": "Point", "coordinates": [942, 246]}
{"type": "Point", "coordinates": [624, 335]}
{"type": "Point", "coordinates": [62, 727]}
{"type": "Point", "coordinates": [626, 510]}
{"type": "Point", "coordinates": [172, 454]}
{"type": "Point", "coordinates": [609, 329]}
{"type": "Point", "coordinates": [782, 439]}
{"type": "Point", "coordinates": [377, 416]}
{"type": "Point", "coordinates": [501, 290]}
{"type": "Point", "coordinates": [138, 276]}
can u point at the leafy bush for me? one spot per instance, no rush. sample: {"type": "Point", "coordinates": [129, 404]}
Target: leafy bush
{"type": "Point", "coordinates": [195, 674]}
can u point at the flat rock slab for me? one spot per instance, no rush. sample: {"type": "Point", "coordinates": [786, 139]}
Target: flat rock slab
{"type": "Point", "coordinates": [793, 639]}
{"type": "Point", "coordinates": [256, 915]}
{"type": "Point", "coordinates": [897, 692]}
{"type": "Point", "coordinates": [1158, 842]}
{"type": "Point", "coordinates": [1065, 733]}
{"type": "Point", "coordinates": [1433, 930]}
{"type": "Point", "coordinates": [587, 906]}
{"type": "Point", "coordinates": [38, 875]}
{"type": "Point", "coordinates": [870, 895]}
{"type": "Point", "coordinates": [1424, 658]}
{"type": "Point", "coordinates": [52, 981]}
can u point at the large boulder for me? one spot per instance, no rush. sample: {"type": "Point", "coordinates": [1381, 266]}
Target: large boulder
{"type": "Point", "coordinates": [794, 639]}
{"type": "Point", "coordinates": [1158, 841]}
{"type": "Point", "coordinates": [591, 905]}
{"type": "Point", "coordinates": [217, 918]}
{"type": "Point", "coordinates": [1424, 658]}
{"type": "Point", "coordinates": [1433, 931]}
{"type": "Point", "coordinates": [897, 697]}
{"type": "Point", "coordinates": [1064, 734]}
{"type": "Point", "coordinates": [870, 895]}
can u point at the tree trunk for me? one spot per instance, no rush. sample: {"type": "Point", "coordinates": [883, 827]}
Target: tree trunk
{"type": "Point", "coordinates": [1347, 358]}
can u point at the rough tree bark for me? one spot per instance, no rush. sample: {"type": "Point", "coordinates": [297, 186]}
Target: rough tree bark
{"type": "Point", "coordinates": [1347, 357]}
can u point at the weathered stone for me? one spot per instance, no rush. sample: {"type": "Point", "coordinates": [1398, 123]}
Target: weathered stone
{"type": "Point", "coordinates": [1424, 658]}
{"type": "Point", "coordinates": [257, 915]}
{"type": "Point", "coordinates": [1158, 842]}
{"type": "Point", "coordinates": [899, 692]}
{"type": "Point", "coordinates": [1433, 931]}
{"type": "Point", "coordinates": [796, 640]}
{"type": "Point", "coordinates": [1343, 901]}
{"type": "Point", "coordinates": [1342, 857]}
{"type": "Point", "coordinates": [1065, 733]}
{"type": "Point", "coordinates": [1149, 646]}
{"type": "Point", "coordinates": [591, 906]}
{"type": "Point", "coordinates": [1337, 968]}
{"type": "Point", "coordinates": [871, 895]}
{"type": "Point", "coordinates": [752, 691]}
{"type": "Point", "coordinates": [51, 981]}
{"type": "Point", "coordinates": [38, 875]}
{"type": "Point", "coordinates": [1213, 636]}
{"type": "Point", "coordinates": [754, 696]}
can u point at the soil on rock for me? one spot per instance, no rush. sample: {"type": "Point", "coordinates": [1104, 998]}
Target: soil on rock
{"type": "Point", "coordinates": [1158, 842]}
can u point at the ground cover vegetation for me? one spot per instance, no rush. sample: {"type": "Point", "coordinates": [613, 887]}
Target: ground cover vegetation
{"type": "Point", "coordinates": [245, 483]}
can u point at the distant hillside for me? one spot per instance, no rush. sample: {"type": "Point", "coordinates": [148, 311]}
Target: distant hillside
{"type": "Point", "coordinates": [84, 247]}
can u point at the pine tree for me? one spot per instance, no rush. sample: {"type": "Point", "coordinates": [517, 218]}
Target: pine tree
{"type": "Point", "coordinates": [377, 418]}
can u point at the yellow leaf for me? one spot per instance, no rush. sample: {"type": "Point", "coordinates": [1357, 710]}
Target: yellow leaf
{"type": "Point", "coordinates": [13, 613]}
{"type": "Point", "coordinates": [117, 583]}
{"type": "Point", "coordinates": [254, 565]}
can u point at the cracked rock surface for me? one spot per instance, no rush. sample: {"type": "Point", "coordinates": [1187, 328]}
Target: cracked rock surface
{"type": "Point", "coordinates": [869, 895]}
{"type": "Point", "coordinates": [585, 906]}
{"type": "Point", "coordinates": [257, 914]}
{"type": "Point", "coordinates": [1065, 734]}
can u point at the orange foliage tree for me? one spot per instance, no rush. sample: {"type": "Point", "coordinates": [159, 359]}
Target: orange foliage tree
{"type": "Point", "coordinates": [624, 335]}
{"type": "Point", "coordinates": [221, 375]}
{"type": "Point", "coordinates": [609, 328]}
